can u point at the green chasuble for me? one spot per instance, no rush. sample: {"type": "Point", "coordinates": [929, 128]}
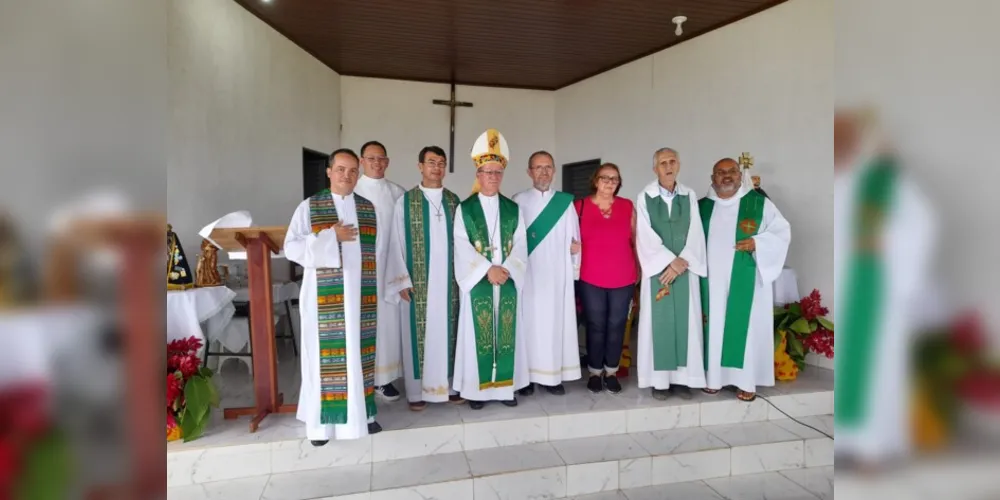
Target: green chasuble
{"type": "Point", "coordinates": [330, 311]}
{"type": "Point", "coordinates": [418, 253]}
{"type": "Point", "coordinates": [864, 293]}
{"type": "Point", "coordinates": [742, 280]}
{"type": "Point", "coordinates": [495, 329]}
{"type": "Point", "coordinates": [669, 314]}
{"type": "Point", "coordinates": [548, 218]}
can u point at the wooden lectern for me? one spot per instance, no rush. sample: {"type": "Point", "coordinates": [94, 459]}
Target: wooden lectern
{"type": "Point", "coordinates": [259, 243]}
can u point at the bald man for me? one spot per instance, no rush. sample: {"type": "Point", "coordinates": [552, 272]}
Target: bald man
{"type": "Point", "coordinates": [747, 241]}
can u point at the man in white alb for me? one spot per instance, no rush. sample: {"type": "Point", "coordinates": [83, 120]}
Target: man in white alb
{"type": "Point", "coordinates": [491, 259]}
{"type": "Point", "coordinates": [549, 308]}
{"type": "Point", "coordinates": [671, 247]}
{"type": "Point", "coordinates": [383, 193]}
{"type": "Point", "coordinates": [747, 241]}
{"type": "Point", "coordinates": [332, 236]}
{"type": "Point", "coordinates": [421, 277]}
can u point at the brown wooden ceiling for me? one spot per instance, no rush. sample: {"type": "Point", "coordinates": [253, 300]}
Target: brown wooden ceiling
{"type": "Point", "coordinates": [541, 44]}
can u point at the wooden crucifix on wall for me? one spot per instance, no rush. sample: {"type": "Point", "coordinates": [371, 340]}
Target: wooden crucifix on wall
{"type": "Point", "coordinates": [452, 104]}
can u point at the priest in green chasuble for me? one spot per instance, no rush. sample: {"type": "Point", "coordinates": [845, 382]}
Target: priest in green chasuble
{"type": "Point", "coordinates": [491, 259]}
{"type": "Point", "coordinates": [553, 231]}
{"type": "Point", "coordinates": [332, 235]}
{"type": "Point", "coordinates": [747, 241]}
{"type": "Point", "coordinates": [671, 247]}
{"type": "Point", "coordinates": [421, 278]}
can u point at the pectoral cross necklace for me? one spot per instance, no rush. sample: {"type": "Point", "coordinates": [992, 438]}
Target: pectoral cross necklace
{"type": "Point", "coordinates": [437, 209]}
{"type": "Point", "coordinates": [496, 229]}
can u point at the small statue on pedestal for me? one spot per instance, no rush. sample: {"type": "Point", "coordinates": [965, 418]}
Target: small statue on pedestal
{"type": "Point", "coordinates": [179, 275]}
{"type": "Point", "coordinates": [207, 273]}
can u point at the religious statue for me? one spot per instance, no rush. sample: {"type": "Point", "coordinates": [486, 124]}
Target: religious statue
{"type": "Point", "coordinates": [178, 271]}
{"type": "Point", "coordinates": [14, 282]}
{"type": "Point", "coordinates": [746, 163]}
{"type": "Point", "coordinates": [207, 272]}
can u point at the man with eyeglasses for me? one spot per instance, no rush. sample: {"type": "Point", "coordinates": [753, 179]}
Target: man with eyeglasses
{"type": "Point", "coordinates": [421, 277]}
{"type": "Point", "coordinates": [383, 193]}
{"type": "Point", "coordinates": [491, 260]}
{"type": "Point", "coordinates": [553, 236]}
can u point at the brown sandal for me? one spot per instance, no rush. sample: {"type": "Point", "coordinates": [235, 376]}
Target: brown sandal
{"type": "Point", "coordinates": [711, 391]}
{"type": "Point", "coordinates": [746, 396]}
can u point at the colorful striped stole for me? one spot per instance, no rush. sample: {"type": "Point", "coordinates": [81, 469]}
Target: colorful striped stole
{"type": "Point", "coordinates": [330, 311]}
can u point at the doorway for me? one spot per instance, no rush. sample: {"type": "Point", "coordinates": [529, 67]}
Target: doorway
{"type": "Point", "coordinates": [314, 177]}
{"type": "Point", "coordinates": [576, 177]}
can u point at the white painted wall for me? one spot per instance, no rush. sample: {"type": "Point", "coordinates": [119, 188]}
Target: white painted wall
{"type": "Point", "coordinates": [83, 105]}
{"type": "Point", "coordinates": [762, 85]}
{"type": "Point", "coordinates": [244, 101]}
{"type": "Point", "coordinates": [401, 115]}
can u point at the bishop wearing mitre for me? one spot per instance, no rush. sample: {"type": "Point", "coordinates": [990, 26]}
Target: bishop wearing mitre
{"type": "Point", "coordinates": [491, 259]}
{"type": "Point", "coordinates": [747, 241]}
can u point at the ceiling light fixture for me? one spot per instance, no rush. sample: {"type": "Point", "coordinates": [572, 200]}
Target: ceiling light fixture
{"type": "Point", "coordinates": [679, 20]}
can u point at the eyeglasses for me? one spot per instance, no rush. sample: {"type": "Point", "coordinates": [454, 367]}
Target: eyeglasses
{"type": "Point", "coordinates": [435, 164]}
{"type": "Point", "coordinates": [491, 173]}
{"type": "Point", "coordinates": [608, 178]}
{"type": "Point", "coordinates": [379, 159]}
{"type": "Point", "coordinates": [546, 168]}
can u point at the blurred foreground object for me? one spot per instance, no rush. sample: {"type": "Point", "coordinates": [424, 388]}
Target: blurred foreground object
{"type": "Point", "coordinates": [127, 252]}
{"type": "Point", "coordinates": [958, 385]}
{"type": "Point", "coordinates": [884, 232]}
{"type": "Point", "coordinates": [15, 278]}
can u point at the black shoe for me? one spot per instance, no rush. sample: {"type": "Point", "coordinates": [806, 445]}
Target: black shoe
{"type": "Point", "coordinates": [558, 390]}
{"type": "Point", "coordinates": [594, 384]}
{"type": "Point", "coordinates": [527, 391]}
{"type": "Point", "coordinates": [682, 391]}
{"type": "Point", "coordinates": [374, 428]}
{"type": "Point", "coordinates": [660, 394]}
{"type": "Point", "coordinates": [477, 405]}
{"type": "Point", "coordinates": [387, 392]}
{"type": "Point", "coordinates": [510, 402]}
{"type": "Point", "coordinates": [318, 443]}
{"type": "Point", "coordinates": [611, 384]}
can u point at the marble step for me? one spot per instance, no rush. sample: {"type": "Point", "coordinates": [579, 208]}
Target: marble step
{"type": "Point", "coordinates": [555, 469]}
{"type": "Point", "coordinates": [228, 451]}
{"type": "Point", "coordinates": [813, 483]}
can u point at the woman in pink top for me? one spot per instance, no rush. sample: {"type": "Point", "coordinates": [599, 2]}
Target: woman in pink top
{"type": "Point", "coordinates": [608, 274]}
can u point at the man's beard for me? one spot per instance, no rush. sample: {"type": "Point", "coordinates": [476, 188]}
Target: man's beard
{"type": "Point", "coordinates": [732, 188]}
{"type": "Point", "coordinates": [543, 187]}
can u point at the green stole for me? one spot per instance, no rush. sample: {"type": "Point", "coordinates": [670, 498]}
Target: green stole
{"type": "Point", "coordinates": [670, 313]}
{"type": "Point", "coordinates": [741, 283]}
{"type": "Point", "coordinates": [418, 253]}
{"type": "Point", "coordinates": [863, 294]}
{"type": "Point", "coordinates": [494, 342]}
{"type": "Point", "coordinates": [548, 218]}
{"type": "Point", "coordinates": [330, 311]}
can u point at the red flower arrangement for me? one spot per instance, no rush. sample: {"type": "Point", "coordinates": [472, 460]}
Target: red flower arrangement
{"type": "Point", "coordinates": [809, 329]}
{"type": "Point", "coordinates": [190, 392]}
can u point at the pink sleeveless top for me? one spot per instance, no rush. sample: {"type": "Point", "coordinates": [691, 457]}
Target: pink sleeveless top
{"type": "Point", "coordinates": [607, 259]}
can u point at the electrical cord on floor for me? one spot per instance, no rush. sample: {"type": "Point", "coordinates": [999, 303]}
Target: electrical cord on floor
{"type": "Point", "coordinates": [793, 418]}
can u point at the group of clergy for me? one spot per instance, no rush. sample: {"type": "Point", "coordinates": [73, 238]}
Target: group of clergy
{"type": "Point", "coordinates": [472, 300]}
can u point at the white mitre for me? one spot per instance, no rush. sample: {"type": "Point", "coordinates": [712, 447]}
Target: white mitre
{"type": "Point", "coordinates": [490, 147]}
